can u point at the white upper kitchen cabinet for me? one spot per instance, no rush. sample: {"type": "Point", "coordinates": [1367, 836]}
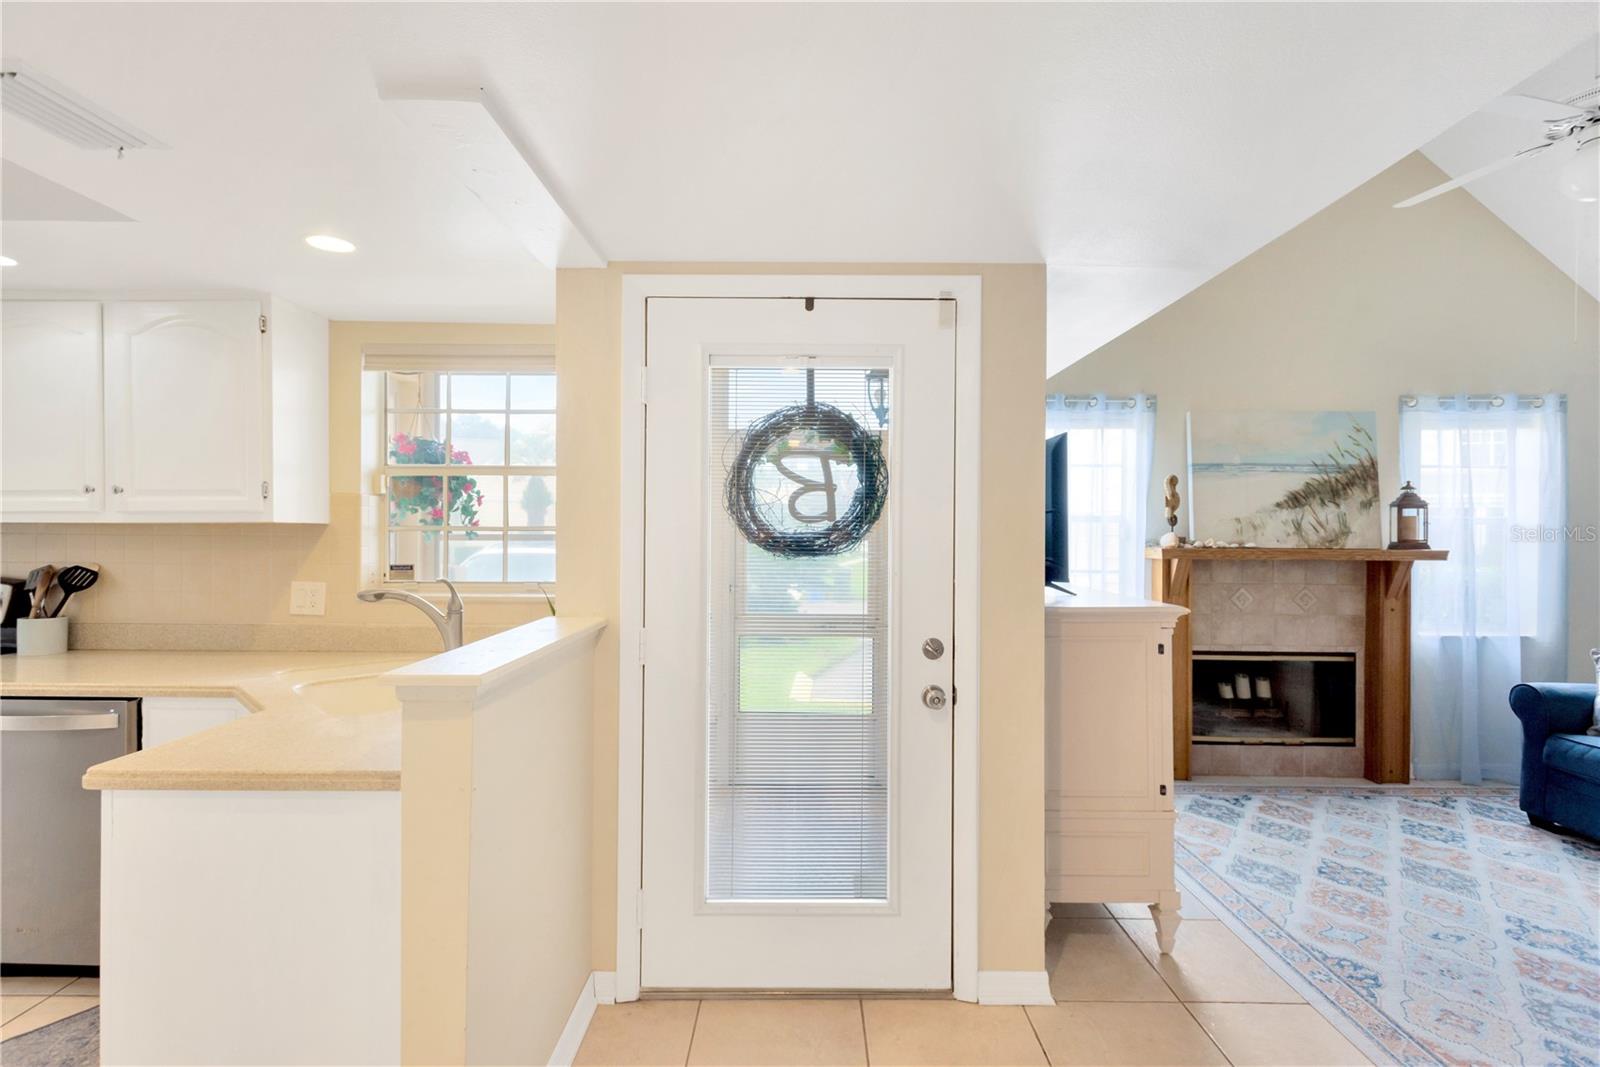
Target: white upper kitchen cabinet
{"type": "Point", "coordinates": [202, 411]}
{"type": "Point", "coordinates": [184, 385]}
{"type": "Point", "coordinates": [51, 450]}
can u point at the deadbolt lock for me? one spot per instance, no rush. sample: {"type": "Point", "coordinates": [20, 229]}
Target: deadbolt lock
{"type": "Point", "coordinates": [933, 648]}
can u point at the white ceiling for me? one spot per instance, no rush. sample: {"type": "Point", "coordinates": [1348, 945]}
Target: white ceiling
{"type": "Point", "coordinates": [1526, 197]}
{"type": "Point", "coordinates": [1138, 149]}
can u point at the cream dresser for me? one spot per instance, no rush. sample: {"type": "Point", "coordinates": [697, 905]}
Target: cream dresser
{"type": "Point", "coordinates": [1108, 753]}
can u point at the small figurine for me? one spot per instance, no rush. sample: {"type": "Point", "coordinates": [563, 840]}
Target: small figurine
{"type": "Point", "coordinates": [1171, 500]}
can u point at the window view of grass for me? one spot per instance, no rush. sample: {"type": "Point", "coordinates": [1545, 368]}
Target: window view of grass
{"type": "Point", "coordinates": [826, 674]}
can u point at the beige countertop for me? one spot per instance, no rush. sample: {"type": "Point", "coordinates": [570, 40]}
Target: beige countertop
{"type": "Point", "coordinates": [321, 720]}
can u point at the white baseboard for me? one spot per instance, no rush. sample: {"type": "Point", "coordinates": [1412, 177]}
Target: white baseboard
{"type": "Point", "coordinates": [566, 1049]}
{"type": "Point", "coordinates": [1014, 987]}
{"type": "Point", "coordinates": [605, 987]}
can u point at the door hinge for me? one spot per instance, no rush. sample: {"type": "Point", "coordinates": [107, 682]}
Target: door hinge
{"type": "Point", "coordinates": [644, 385]}
{"type": "Point", "coordinates": [641, 647]}
{"type": "Point", "coordinates": [263, 324]}
{"type": "Point", "coordinates": [952, 696]}
{"type": "Point", "coordinates": [264, 488]}
{"type": "Point", "coordinates": [638, 910]}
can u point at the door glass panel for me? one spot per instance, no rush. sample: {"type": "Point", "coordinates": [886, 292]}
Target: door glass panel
{"type": "Point", "coordinates": [797, 715]}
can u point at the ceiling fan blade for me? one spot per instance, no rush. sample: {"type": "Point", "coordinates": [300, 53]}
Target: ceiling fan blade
{"type": "Point", "coordinates": [1537, 108]}
{"type": "Point", "coordinates": [1474, 175]}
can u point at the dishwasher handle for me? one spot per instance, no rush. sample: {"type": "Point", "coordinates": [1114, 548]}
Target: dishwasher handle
{"type": "Point", "coordinates": [100, 720]}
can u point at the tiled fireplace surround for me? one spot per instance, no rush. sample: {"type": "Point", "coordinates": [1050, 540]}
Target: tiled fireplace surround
{"type": "Point", "coordinates": [1252, 605]}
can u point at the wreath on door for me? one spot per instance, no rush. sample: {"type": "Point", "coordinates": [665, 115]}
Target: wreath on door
{"type": "Point", "coordinates": [783, 484]}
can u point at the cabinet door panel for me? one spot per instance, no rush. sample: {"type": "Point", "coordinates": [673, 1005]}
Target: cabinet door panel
{"type": "Point", "coordinates": [185, 397]}
{"type": "Point", "coordinates": [50, 414]}
{"type": "Point", "coordinates": [1098, 730]}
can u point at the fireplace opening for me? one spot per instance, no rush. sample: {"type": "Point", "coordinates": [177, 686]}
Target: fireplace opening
{"type": "Point", "coordinates": [1281, 698]}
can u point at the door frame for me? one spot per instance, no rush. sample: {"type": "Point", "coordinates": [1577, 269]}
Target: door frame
{"type": "Point", "coordinates": [967, 293]}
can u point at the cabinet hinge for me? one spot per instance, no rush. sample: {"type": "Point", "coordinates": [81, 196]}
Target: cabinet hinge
{"type": "Point", "coordinates": [641, 647]}
{"type": "Point", "coordinates": [1161, 649]}
{"type": "Point", "coordinates": [638, 910]}
{"type": "Point", "coordinates": [1163, 790]}
{"type": "Point", "coordinates": [263, 323]}
{"type": "Point", "coordinates": [264, 489]}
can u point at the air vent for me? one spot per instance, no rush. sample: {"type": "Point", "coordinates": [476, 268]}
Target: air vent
{"type": "Point", "coordinates": [58, 110]}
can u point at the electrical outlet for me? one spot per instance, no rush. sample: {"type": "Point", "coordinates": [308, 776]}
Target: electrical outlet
{"type": "Point", "coordinates": [308, 598]}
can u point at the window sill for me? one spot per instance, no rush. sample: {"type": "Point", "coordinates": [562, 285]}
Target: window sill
{"type": "Point", "coordinates": [435, 593]}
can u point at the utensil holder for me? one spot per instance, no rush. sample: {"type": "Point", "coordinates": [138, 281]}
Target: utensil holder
{"type": "Point", "coordinates": [41, 637]}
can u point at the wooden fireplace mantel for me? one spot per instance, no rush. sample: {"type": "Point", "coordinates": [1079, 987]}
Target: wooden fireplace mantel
{"type": "Point", "coordinates": [1386, 719]}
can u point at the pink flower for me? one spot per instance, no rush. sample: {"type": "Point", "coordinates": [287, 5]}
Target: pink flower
{"type": "Point", "coordinates": [436, 513]}
{"type": "Point", "coordinates": [404, 445]}
{"type": "Point", "coordinates": [480, 500]}
{"type": "Point", "coordinates": [460, 456]}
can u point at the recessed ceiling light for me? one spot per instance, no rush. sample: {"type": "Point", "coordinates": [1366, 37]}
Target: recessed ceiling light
{"type": "Point", "coordinates": [323, 242]}
{"type": "Point", "coordinates": [7, 261]}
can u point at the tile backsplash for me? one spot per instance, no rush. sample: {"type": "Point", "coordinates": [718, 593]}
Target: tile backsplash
{"type": "Point", "coordinates": [227, 585]}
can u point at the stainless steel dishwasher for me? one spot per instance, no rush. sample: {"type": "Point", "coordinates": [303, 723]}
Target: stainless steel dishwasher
{"type": "Point", "coordinates": [50, 825]}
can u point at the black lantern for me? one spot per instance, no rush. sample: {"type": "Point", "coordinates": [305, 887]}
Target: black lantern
{"type": "Point", "coordinates": [1408, 519]}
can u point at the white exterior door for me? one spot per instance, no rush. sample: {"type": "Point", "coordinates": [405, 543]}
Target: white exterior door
{"type": "Point", "coordinates": [797, 783]}
{"type": "Point", "coordinates": [185, 397]}
{"type": "Point", "coordinates": [50, 451]}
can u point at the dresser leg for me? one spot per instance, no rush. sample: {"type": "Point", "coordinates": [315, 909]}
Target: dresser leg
{"type": "Point", "coordinates": [1165, 912]}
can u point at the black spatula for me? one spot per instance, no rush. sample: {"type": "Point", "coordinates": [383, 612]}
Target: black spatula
{"type": "Point", "coordinates": [74, 579]}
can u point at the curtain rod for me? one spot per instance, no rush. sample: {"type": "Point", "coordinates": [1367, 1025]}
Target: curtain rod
{"type": "Point", "coordinates": [1494, 400]}
{"type": "Point", "coordinates": [1093, 400]}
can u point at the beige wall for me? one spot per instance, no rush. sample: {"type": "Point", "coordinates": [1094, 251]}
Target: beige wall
{"type": "Point", "coordinates": [1360, 304]}
{"type": "Point", "coordinates": [212, 585]}
{"type": "Point", "coordinates": [588, 352]}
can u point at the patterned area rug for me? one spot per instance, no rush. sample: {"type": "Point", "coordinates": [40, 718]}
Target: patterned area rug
{"type": "Point", "coordinates": [72, 1042]}
{"type": "Point", "coordinates": [1433, 924]}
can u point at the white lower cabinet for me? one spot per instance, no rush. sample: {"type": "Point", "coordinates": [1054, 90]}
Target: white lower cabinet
{"type": "Point", "coordinates": [164, 411]}
{"type": "Point", "coordinates": [164, 719]}
{"type": "Point", "coordinates": [1108, 754]}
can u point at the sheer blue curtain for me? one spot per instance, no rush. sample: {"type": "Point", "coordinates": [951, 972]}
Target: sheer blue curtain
{"type": "Point", "coordinates": [1110, 446]}
{"type": "Point", "coordinates": [1493, 470]}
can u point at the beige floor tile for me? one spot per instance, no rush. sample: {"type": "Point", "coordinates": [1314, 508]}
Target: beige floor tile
{"type": "Point", "coordinates": [1093, 959]}
{"type": "Point", "coordinates": [1112, 1035]}
{"type": "Point", "coordinates": [83, 987]}
{"type": "Point", "coordinates": [1210, 963]}
{"type": "Point", "coordinates": [12, 1006]}
{"type": "Point", "coordinates": [12, 985]}
{"type": "Point", "coordinates": [903, 1033]}
{"type": "Point", "coordinates": [1276, 1035]}
{"type": "Point", "coordinates": [50, 1010]}
{"type": "Point", "coordinates": [770, 1033]}
{"type": "Point", "coordinates": [643, 1033]}
{"type": "Point", "coordinates": [1079, 911]}
{"type": "Point", "coordinates": [1192, 910]}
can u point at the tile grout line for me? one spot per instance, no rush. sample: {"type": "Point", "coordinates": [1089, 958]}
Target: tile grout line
{"type": "Point", "coordinates": [694, 1028]}
{"type": "Point", "coordinates": [866, 1048]}
{"type": "Point", "coordinates": [1037, 1039]}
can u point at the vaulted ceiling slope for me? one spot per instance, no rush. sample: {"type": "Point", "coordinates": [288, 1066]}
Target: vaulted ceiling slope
{"type": "Point", "coordinates": [1137, 148]}
{"type": "Point", "coordinates": [1525, 197]}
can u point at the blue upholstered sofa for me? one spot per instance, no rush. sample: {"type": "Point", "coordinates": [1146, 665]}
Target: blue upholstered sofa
{"type": "Point", "coordinates": [1560, 762]}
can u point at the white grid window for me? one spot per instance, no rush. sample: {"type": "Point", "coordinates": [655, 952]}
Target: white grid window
{"type": "Point", "coordinates": [469, 464]}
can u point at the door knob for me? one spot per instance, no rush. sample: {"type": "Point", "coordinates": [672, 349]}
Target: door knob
{"type": "Point", "coordinates": [933, 696]}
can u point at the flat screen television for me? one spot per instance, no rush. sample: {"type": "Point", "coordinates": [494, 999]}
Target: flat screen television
{"type": "Point", "coordinates": [1055, 509]}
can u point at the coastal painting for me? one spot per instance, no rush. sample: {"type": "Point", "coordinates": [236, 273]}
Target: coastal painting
{"type": "Point", "coordinates": [1300, 479]}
